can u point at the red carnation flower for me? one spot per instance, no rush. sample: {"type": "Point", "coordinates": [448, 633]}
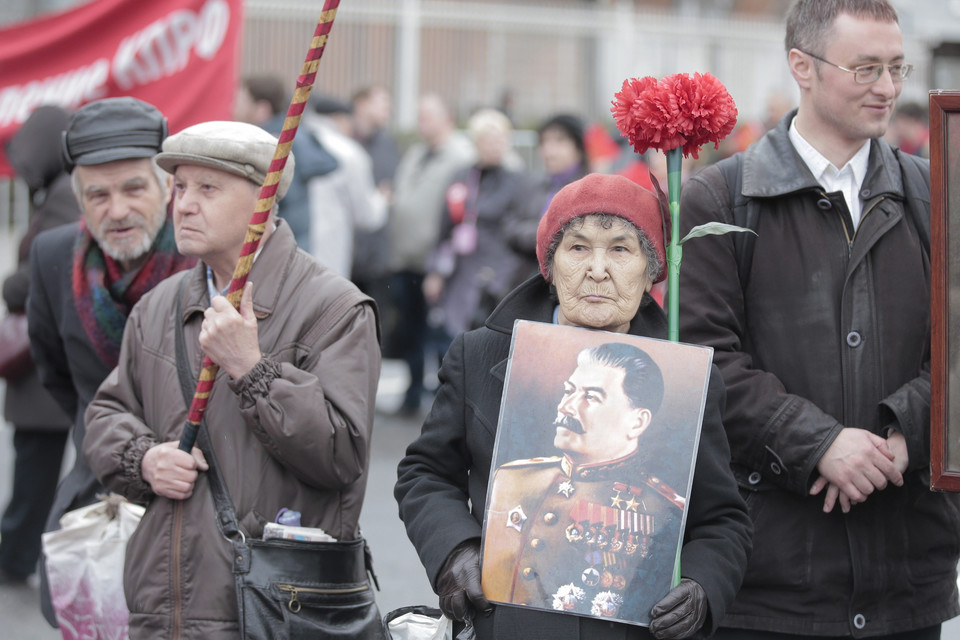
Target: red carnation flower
{"type": "Point", "coordinates": [678, 111]}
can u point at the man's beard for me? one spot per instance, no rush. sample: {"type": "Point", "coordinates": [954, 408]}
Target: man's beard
{"type": "Point", "coordinates": [126, 251]}
{"type": "Point", "coordinates": [568, 423]}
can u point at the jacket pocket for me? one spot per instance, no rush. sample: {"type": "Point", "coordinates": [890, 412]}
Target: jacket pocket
{"type": "Point", "coordinates": [782, 541]}
{"type": "Point", "coordinates": [932, 542]}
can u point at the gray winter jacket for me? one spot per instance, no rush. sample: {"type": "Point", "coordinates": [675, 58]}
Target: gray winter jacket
{"type": "Point", "coordinates": [293, 432]}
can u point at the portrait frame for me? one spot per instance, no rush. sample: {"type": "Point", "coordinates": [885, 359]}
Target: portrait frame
{"type": "Point", "coordinates": [599, 538]}
{"type": "Point", "coordinates": [945, 290]}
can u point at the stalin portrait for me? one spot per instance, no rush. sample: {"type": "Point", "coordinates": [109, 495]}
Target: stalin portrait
{"type": "Point", "coordinates": [592, 530]}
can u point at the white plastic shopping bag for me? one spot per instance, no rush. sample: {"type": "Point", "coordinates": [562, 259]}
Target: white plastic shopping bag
{"type": "Point", "coordinates": [418, 623]}
{"type": "Point", "coordinates": [85, 569]}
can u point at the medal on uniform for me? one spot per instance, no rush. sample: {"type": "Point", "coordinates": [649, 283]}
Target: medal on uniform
{"type": "Point", "coordinates": [606, 604]}
{"type": "Point", "coordinates": [590, 577]}
{"type": "Point", "coordinates": [567, 597]}
{"type": "Point", "coordinates": [516, 517]}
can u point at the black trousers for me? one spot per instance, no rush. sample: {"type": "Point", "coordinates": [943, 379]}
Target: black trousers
{"type": "Point", "coordinates": [410, 331]}
{"type": "Point", "coordinates": [38, 456]}
{"type": "Point", "coordinates": [928, 633]}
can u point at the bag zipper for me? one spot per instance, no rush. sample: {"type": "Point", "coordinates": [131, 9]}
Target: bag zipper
{"type": "Point", "coordinates": [294, 604]}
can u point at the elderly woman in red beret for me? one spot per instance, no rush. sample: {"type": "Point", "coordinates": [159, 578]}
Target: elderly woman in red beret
{"type": "Point", "coordinates": [600, 247]}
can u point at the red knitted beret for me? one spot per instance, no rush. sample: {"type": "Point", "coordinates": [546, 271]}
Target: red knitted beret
{"type": "Point", "coordinates": [603, 193]}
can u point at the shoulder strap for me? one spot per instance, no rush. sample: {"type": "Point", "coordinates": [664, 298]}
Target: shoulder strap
{"type": "Point", "coordinates": [745, 214]}
{"type": "Point", "coordinates": [226, 517]}
{"type": "Point", "coordinates": [916, 191]}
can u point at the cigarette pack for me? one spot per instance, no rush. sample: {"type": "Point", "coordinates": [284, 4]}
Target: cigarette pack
{"type": "Point", "coordinates": [287, 532]}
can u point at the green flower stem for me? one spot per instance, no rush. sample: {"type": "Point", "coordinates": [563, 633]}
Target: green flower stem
{"type": "Point", "coordinates": [674, 254]}
{"type": "Point", "coordinates": [674, 249]}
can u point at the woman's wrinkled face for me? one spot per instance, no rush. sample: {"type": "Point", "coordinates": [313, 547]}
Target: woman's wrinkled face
{"type": "Point", "coordinates": [600, 275]}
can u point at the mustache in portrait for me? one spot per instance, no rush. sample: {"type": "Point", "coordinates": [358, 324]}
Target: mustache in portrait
{"type": "Point", "coordinates": [569, 423]}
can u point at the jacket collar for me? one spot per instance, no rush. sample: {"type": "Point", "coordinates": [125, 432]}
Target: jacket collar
{"type": "Point", "coordinates": [772, 167]}
{"type": "Point", "coordinates": [271, 266]}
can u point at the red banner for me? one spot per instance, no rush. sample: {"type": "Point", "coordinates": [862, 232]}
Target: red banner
{"type": "Point", "coordinates": [181, 56]}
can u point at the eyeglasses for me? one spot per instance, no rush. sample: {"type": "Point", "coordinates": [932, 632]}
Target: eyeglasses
{"type": "Point", "coordinates": [867, 73]}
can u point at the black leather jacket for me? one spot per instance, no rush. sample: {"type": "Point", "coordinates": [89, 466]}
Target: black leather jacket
{"type": "Point", "coordinates": [832, 330]}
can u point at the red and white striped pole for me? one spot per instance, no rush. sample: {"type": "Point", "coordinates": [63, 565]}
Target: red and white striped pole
{"type": "Point", "coordinates": [261, 213]}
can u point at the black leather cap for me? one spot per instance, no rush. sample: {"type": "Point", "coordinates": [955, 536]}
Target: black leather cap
{"type": "Point", "coordinates": [113, 129]}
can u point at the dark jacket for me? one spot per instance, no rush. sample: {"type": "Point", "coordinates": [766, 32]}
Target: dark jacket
{"type": "Point", "coordinates": [520, 230]}
{"type": "Point", "coordinates": [832, 330]}
{"type": "Point", "coordinates": [475, 282]}
{"type": "Point", "coordinates": [293, 432]}
{"type": "Point", "coordinates": [34, 153]}
{"type": "Point", "coordinates": [443, 479]}
{"type": "Point", "coordinates": [68, 363]}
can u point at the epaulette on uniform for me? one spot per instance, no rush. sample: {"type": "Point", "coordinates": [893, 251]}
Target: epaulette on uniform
{"type": "Point", "coordinates": [664, 490]}
{"type": "Point", "coordinates": [532, 462]}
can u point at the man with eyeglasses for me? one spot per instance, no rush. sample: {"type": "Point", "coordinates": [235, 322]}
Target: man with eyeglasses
{"type": "Point", "coordinates": [821, 328]}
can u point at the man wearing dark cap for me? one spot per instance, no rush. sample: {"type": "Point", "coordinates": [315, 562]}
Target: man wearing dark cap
{"type": "Point", "coordinates": [290, 412]}
{"type": "Point", "coordinates": [86, 277]}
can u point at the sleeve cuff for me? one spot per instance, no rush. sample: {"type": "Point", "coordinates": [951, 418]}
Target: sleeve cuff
{"type": "Point", "coordinates": [256, 382]}
{"type": "Point", "coordinates": [131, 466]}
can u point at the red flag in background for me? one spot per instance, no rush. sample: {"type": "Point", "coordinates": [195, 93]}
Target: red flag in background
{"type": "Point", "coordinates": [181, 56]}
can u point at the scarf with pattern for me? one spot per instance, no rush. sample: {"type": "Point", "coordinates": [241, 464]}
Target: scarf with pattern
{"type": "Point", "coordinates": [104, 294]}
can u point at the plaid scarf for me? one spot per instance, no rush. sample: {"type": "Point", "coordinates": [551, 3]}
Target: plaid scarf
{"type": "Point", "coordinates": [104, 294]}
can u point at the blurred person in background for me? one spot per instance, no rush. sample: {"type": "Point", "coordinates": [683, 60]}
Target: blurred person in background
{"type": "Point", "coordinates": [372, 109]}
{"type": "Point", "coordinates": [910, 129]}
{"type": "Point", "coordinates": [563, 154]}
{"type": "Point", "coordinates": [40, 425]}
{"type": "Point", "coordinates": [472, 267]}
{"type": "Point", "coordinates": [419, 191]}
{"type": "Point", "coordinates": [262, 100]}
{"type": "Point", "coordinates": [344, 200]}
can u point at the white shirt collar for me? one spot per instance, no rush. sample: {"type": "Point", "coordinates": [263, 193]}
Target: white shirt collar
{"type": "Point", "coordinates": [847, 179]}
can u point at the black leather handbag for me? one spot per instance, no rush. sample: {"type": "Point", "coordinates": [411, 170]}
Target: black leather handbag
{"type": "Point", "coordinates": [286, 588]}
{"type": "Point", "coordinates": [292, 589]}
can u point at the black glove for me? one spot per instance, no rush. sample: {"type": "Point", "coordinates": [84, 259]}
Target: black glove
{"type": "Point", "coordinates": [681, 613]}
{"type": "Point", "coordinates": [458, 583]}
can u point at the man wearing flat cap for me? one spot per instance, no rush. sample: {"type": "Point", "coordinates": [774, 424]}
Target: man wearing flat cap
{"type": "Point", "coordinates": [290, 413]}
{"type": "Point", "coordinates": [86, 277]}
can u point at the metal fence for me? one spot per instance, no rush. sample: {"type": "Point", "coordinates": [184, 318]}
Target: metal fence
{"type": "Point", "coordinates": [530, 58]}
